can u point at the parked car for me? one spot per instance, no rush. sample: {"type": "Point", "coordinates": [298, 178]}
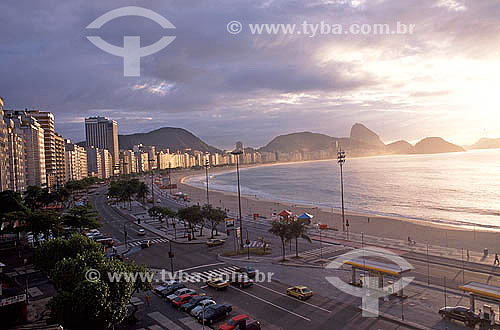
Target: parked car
{"type": "Point", "coordinates": [299, 291]}
{"type": "Point", "coordinates": [141, 232]}
{"type": "Point", "coordinates": [247, 270]}
{"type": "Point", "coordinates": [180, 292]}
{"type": "Point", "coordinates": [197, 311]}
{"type": "Point", "coordinates": [215, 313]}
{"type": "Point", "coordinates": [234, 321]}
{"type": "Point", "coordinates": [164, 286]}
{"type": "Point", "coordinates": [145, 243]}
{"type": "Point", "coordinates": [249, 325]}
{"type": "Point", "coordinates": [188, 307]}
{"type": "Point", "coordinates": [181, 300]}
{"type": "Point", "coordinates": [217, 283]}
{"type": "Point", "coordinates": [171, 289]}
{"type": "Point", "coordinates": [460, 313]}
{"type": "Point", "coordinates": [241, 280]}
{"type": "Point", "coordinates": [215, 242]}
{"type": "Point", "coordinates": [106, 241]}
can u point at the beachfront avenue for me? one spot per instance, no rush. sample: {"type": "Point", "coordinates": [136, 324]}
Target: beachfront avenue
{"type": "Point", "coordinates": [267, 301]}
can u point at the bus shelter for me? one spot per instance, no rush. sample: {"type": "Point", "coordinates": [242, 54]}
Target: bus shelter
{"type": "Point", "coordinates": [377, 270]}
{"type": "Point", "coordinates": [481, 291]}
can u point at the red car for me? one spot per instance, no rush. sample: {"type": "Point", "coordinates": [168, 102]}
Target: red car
{"type": "Point", "coordinates": [181, 300]}
{"type": "Point", "coordinates": [233, 322]}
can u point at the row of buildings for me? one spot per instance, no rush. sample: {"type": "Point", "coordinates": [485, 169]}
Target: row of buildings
{"type": "Point", "coordinates": [32, 153]}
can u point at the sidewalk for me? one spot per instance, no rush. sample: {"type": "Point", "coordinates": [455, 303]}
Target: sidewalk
{"type": "Point", "coordinates": [138, 211]}
{"type": "Point", "coordinates": [417, 247]}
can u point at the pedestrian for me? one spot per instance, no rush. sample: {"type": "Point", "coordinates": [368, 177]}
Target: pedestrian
{"type": "Point", "coordinates": [368, 220]}
{"type": "Point", "coordinates": [147, 300]}
{"type": "Point", "coordinates": [497, 261]}
{"type": "Point", "coordinates": [468, 256]}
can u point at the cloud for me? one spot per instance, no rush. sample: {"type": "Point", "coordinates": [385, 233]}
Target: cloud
{"type": "Point", "coordinates": [253, 87]}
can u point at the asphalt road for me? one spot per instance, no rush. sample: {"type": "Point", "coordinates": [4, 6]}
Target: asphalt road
{"type": "Point", "coordinates": [263, 301]}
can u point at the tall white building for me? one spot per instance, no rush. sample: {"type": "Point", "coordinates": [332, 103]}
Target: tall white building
{"type": "Point", "coordinates": [102, 133]}
{"type": "Point", "coordinates": [76, 161]}
{"type": "Point", "coordinates": [33, 134]}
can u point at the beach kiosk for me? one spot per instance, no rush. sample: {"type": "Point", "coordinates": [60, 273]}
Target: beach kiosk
{"type": "Point", "coordinates": [376, 272]}
{"type": "Point", "coordinates": [285, 215]}
{"type": "Point", "coordinates": [306, 217]}
{"type": "Point", "coordinates": [483, 292]}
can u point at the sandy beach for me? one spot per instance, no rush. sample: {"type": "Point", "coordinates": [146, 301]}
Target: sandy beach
{"type": "Point", "coordinates": [419, 231]}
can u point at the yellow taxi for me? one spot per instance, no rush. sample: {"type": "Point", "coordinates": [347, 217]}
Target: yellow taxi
{"type": "Point", "coordinates": [299, 291]}
{"type": "Point", "coordinates": [217, 283]}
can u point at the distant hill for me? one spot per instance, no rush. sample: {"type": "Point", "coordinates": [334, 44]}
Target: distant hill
{"type": "Point", "coordinates": [303, 141]}
{"type": "Point", "coordinates": [166, 137]}
{"type": "Point", "coordinates": [362, 142]}
{"type": "Point", "coordinates": [435, 145]}
{"type": "Point", "coordinates": [360, 132]}
{"type": "Point", "coordinates": [399, 147]}
{"type": "Point", "coordinates": [486, 143]}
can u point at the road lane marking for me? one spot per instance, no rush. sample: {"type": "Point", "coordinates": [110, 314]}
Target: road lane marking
{"type": "Point", "coordinates": [201, 266]}
{"type": "Point", "coordinates": [283, 294]}
{"type": "Point", "coordinates": [272, 304]}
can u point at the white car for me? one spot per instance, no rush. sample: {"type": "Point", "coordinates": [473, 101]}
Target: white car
{"type": "Point", "coordinates": [163, 286]}
{"type": "Point", "coordinates": [199, 309]}
{"type": "Point", "coordinates": [141, 232]}
{"type": "Point", "coordinates": [180, 292]}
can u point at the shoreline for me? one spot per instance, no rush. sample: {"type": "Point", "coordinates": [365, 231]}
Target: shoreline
{"type": "Point", "coordinates": [389, 227]}
{"type": "Point", "coordinates": [336, 211]}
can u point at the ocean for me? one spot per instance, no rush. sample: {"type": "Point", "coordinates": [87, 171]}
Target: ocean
{"type": "Point", "coordinates": [462, 189]}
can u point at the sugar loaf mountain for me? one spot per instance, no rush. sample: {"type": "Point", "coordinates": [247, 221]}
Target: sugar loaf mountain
{"type": "Point", "coordinates": [296, 146]}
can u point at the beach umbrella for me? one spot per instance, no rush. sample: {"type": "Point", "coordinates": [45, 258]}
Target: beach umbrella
{"type": "Point", "coordinates": [285, 213]}
{"type": "Point", "coordinates": [306, 216]}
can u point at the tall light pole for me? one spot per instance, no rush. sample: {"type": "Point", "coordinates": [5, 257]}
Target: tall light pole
{"type": "Point", "coordinates": [341, 161]}
{"type": "Point", "coordinates": [237, 153]}
{"type": "Point", "coordinates": [152, 183]}
{"type": "Point", "coordinates": [207, 165]}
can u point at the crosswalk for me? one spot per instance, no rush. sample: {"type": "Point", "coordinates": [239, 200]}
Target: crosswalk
{"type": "Point", "coordinates": [254, 245]}
{"type": "Point", "coordinates": [321, 252]}
{"type": "Point", "coordinates": [201, 277]}
{"type": "Point", "coordinates": [153, 241]}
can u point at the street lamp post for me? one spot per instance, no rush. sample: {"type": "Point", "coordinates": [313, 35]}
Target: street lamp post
{"type": "Point", "coordinates": [152, 183]}
{"type": "Point", "coordinates": [341, 161]}
{"type": "Point", "coordinates": [207, 165]}
{"type": "Point", "coordinates": [237, 153]}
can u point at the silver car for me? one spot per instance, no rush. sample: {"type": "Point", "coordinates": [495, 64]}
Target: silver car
{"type": "Point", "coordinates": [203, 304]}
{"type": "Point", "coordinates": [180, 292]}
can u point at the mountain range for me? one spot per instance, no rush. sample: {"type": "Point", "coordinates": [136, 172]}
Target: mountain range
{"type": "Point", "coordinates": [486, 143]}
{"type": "Point", "coordinates": [361, 142]}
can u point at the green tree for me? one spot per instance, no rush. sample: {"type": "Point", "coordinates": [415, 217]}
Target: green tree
{"type": "Point", "coordinates": [81, 217]}
{"type": "Point", "coordinates": [298, 229]}
{"type": "Point", "coordinates": [191, 215]}
{"type": "Point", "coordinates": [32, 197]}
{"type": "Point", "coordinates": [281, 229]}
{"type": "Point", "coordinates": [141, 192]}
{"type": "Point", "coordinates": [157, 212]}
{"type": "Point", "coordinates": [214, 217]}
{"type": "Point", "coordinates": [45, 223]}
{"type": "Point", "coordinates": [82, 304]}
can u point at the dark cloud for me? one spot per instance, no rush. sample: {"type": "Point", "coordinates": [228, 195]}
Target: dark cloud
{"type": "Point", "coordinates": [224, 86]}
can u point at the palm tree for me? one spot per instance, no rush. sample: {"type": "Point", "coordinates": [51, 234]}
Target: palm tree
{"type": "Point", "coordinates": [298, 229]}
{"type": "Point", "coordinates": [192, 215]}
{"type": "Point", "coordinates": [282, 230]}
{"type": "Point", "coordinates": [81, 217]}
{"type": "Point", "coordinates": [141, 191]}
{"type": "Point", "coordinates": [32, 197]}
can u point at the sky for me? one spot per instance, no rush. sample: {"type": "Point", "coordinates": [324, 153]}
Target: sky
{"type": "Point", "coordinates": [440, 80]}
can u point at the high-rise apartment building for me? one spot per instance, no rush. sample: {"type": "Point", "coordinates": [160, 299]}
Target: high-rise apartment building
{"type": "Point", "coordinates": [94, 163]}
{"type": "Point", "coordinates": [102, 133]}
{"type": "Point", "coordinates": [127, 162]}
{"type": "Point", "coordinates": [46, 121]}
{"type": "Point", "coordinates": [16, 156]}
{"type": "Point", "coordinates": [32, 132]}
{"type": "Point", "coordinates": [76, 161]}
{"type": "Point", "coordinates": [60, 170]}
{"type": "Point", "coordinates": [107, 165]}
{"type": "Point", "coordinates": [4, 152]}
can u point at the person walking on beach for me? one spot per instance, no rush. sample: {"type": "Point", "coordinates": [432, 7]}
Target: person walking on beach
{"type": "Point", "coordinates": [497, 261]}
{"type": "Point", "coordinates": [147, 300]}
